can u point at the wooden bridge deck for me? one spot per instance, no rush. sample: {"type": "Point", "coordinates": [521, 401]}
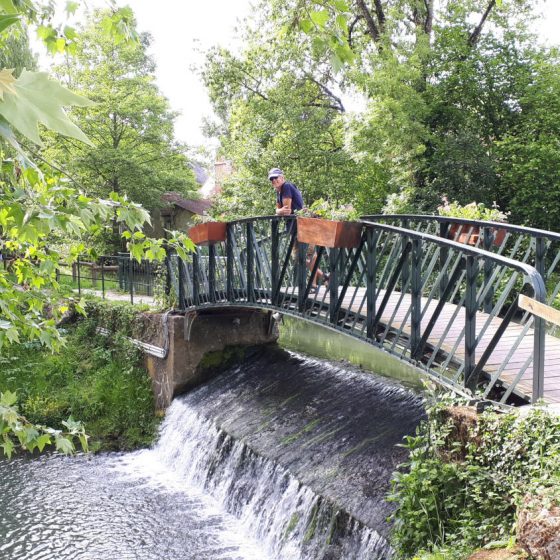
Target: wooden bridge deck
{"type": "Point", "coordinates": [397, 311]}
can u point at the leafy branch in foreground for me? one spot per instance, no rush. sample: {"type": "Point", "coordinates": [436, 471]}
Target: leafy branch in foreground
{"type": "Point", "coordinates": [17, 432]}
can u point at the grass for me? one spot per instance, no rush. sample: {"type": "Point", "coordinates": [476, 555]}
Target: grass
{"type": "Point", "coordinates": [94, 379]}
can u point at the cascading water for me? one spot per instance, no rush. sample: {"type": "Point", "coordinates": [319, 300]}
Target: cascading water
{"type": "Point", "coordinates": [299, 450]}
{"type": "Point", "coordinates": [281, 458]}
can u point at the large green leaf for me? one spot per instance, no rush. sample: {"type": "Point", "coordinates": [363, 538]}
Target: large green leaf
{"type": "Point", "coordinates": [38, 99]}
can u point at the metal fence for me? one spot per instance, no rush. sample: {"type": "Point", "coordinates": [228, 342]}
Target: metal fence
{"type": "Point", "coordinates": [115, 275]}
{"type": "Point", "coordinates": [448, 308]}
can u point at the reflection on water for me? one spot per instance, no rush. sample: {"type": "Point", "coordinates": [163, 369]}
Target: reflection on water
{"type": "Point", "coordinates": [316, 340]}
{"type": "Point", "coordinates": [58, 508]}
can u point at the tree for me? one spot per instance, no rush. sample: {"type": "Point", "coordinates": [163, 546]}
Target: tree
{"type": "Point", "coordinates": [443, 83]}
{"type": "Point", "coordinates": [529, 153]}
{"type": "Point", "coordinates": [275, 110]}
{"type": "Point", "coordinates": [130, 125]}
{"type": "Point", "coordinates": [36, 205]}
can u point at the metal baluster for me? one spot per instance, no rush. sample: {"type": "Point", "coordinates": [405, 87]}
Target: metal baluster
{"type": "Point", "coordinates": [212, 273]}
{"type": "Point", "coordinates": [250, 263]}
{"type": "Point", "coordinates": [229, 262]}
{"type": "Point", "coordinates": [415, 294]}
{"type": "Point", "coordinates": [301, 254]}
{"type": "Point", "coordinates": [371, 269]}
{"type": "Point", "coordinates": [333, 284]}
{"type": "Point", "coordinates": [470, 324]}
{"type": "Point", "coordinates": [488, 268]}
{"type": "Point", "coordinates": [180, 278]}
{"type": "Point", "coordinates": [275, 262]}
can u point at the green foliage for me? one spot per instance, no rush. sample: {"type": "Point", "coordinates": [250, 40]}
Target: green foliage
{"type": "Point", "coordinates": [97, 379]}
{"type": "Point", "coordinates": [472, 211]}
{"type": "Point", "coordinates": [322, 208]}
{"type": "Point", "coordinates": [529, 153]}
{"type": "Point", "coordinates": [17, 432]}
{"type": "Point", "coordinates": [464, 494]}
{"type": "Point", "coordinates": [38, 99]}
{"type": "Point", "coordinates": [34, 98]}
{"type": "Point", "coordinates": [133, 151]}
{"type": "Point", "coordinates": [450, 95]}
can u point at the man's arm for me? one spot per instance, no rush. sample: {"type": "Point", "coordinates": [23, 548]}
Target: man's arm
{"type": "Point", "coordinates": [286, 209]}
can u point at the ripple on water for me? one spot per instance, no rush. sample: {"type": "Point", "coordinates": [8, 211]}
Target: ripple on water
{"type": "Point", "coordinates": [110, 507]}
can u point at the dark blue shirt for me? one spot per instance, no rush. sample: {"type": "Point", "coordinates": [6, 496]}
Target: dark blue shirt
{"type": "Point", "coordinates": [289, 190]}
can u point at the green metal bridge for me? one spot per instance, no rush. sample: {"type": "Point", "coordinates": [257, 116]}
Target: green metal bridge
{"type": "Point", "coordinates": [442, 294]}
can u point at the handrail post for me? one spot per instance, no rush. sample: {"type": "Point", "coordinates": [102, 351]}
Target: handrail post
{"type": "Point", "coordinates": [443, 254]}
{"type": "Point", "coordinates": [540, 251]}
{"type": "Point", "coordinates": [371, 268]}
{"type": "Point", "coordinates": [488, 269]}
{"type": "Point", "coordinates": [181, 281]}
{"type": "Point", "coordinates": [102, 259]}
{"type": "Point", "coordinates": [250, 263]}
{"type": "Point", "coordinates": [79, 283]}
{"type": "Point", "coordinates": [470, 323]}
{"type": "Point", "coordinates": [333, 284]}
{"type": "Point", "coordinates": [229, 262]}
{"type": "Point", "coordinates": [300, 274]}
{"type": "Point", "coordinates": [275, 262]}
{"type": "Point", "coordinates": [415, 295]}
{"type": "Point", "coordinates": [131, 277]}
{"type": "Point", "coordinates": [212, 272]}
{"type": "Point", "coordinates": [196, 276]}
{"type": "Point", "coordinates": [539, 328]}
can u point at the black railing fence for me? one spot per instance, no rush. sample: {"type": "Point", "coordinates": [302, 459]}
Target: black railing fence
{"type": "Point", "coordinates": [115, 274]}
{"type": "Point", "coordinates": [439, 293]}
{"type": "Point", "coordinates": [448, 308]}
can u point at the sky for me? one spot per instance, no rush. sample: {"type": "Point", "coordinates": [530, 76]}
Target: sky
{"type": "Point", "coordinates": [183, 29]}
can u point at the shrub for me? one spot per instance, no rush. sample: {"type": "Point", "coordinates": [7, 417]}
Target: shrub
{"type": "Point", "coordinates": [465, 495]}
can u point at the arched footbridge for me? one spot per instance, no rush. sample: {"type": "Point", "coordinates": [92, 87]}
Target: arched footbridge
{"type": "Point", "coordinates": [454, 298]}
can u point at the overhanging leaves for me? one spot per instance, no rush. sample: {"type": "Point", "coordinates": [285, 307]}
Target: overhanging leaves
{"type": "Point", "coordinates": [38, 99]}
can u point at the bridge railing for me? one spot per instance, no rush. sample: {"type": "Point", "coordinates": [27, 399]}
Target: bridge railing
{"type": "Point", "coordinates": [447, 307]}
{"type": "Point", "coordinates": [538, 248]}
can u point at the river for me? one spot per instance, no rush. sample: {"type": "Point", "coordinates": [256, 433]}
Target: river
{"type": "Point", "coordinates": [283, 458]}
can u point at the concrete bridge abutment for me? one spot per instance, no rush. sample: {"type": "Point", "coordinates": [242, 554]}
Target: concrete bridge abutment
{"type": "Point", "coordinates": [199, 343]}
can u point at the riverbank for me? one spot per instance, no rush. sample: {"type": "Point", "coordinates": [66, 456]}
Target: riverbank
{"type": "Point", "coordinates": [96, 379]}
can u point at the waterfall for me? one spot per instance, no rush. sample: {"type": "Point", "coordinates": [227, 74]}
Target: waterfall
{"type": "Point", "coordinates": [300, 451]}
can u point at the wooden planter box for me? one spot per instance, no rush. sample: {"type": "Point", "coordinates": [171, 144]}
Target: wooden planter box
{"type": "Point", "coordinates": [208, 233]}
{"type": "Point", "coordinates": [472, 239]}
{"type": "Point", "coordinates": [329, 233]}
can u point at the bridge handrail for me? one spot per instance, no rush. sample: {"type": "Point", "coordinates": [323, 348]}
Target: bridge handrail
{"type": "Point", "coordinates": [536, 279]}
{"type": "Point", "coordinates": [389, 290]}
{"type": "Point", "coordinates": [534, 232]}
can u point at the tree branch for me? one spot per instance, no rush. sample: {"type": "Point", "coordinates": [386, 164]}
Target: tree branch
{"type": "Point", "coordinates": [338, 106]}
{"type": "Point", "coordinates": [380, 15]}
{"type": "Point", "coordinates": [370, 22]}
{"type": "Point", "coordinates": [475, 35]}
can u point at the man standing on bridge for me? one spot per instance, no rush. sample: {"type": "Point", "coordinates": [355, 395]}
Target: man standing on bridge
{"type": "Point", "coordinates": [288, 200]}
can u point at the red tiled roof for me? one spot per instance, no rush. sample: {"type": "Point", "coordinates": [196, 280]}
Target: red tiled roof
{"type": "Point", "coordinates": [194, 206]}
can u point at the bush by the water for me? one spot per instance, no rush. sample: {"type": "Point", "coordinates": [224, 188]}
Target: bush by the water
{"type": "Point", "coordinates": [459, 492]}
{"type": "Point", "coordinates": [96, 379]}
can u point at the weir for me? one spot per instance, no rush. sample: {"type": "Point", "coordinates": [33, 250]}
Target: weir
{"type": "Point", "coordinates": [300, 450]}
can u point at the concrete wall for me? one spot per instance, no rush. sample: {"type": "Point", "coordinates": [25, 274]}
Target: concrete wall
{"type": "Point", "coordinates": [199, 343]}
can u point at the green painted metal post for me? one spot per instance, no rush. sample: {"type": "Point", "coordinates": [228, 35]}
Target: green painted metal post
{"type": "Point", "coordinates": [196, 276]}
{"type": "Point", "coordinates": [275, 262]}
{"type": "Point", "coordinates": [250, 263]}
{"type": "Point", "coordinates": [415, 294]}
{"type": "Point", "coordinates": [443, 254]}
{"type": "Point", "coordinates": [470, 324]}
{"type": "Point", "coordinates": [333, 285]}
{"type": "Point", "coordinates": [229, 262]}
{"type": "Point", "coordinates": [301, 275]}
{"type": "Point", "coordinates": [212, 272]}
{"type": "Point", "coordinates": [371, 270]}
{"type": "Point", "coordinates": [488, 269]}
